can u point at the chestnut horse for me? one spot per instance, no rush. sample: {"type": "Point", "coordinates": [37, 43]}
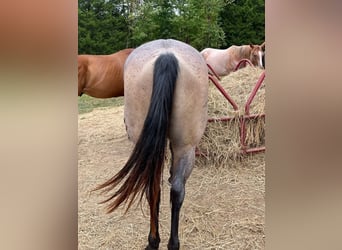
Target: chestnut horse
{"type": "Point", "coordinates": [166, 93]}
{"type": "Point", "coordinates": [101, 76]}
{"type": "Point", "coordinates": [224, 61]}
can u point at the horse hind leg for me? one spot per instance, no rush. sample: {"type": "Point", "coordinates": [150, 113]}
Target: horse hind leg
{"type": "Point", "coordinates": [153, 237]}
{"type": "Point", "coordinates": [181, 168]}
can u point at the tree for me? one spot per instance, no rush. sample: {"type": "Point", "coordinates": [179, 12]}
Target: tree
{"type": "Point", "coordinates": [102, 26]}
{"type": "Point", "coordinates": [243, 22]}
{"type": "Point", "coordinates": [196, 22]}
{"type": "Point", "coordinates": [106, 26]}
{"type": "Point", "coordinates": [144, 24]}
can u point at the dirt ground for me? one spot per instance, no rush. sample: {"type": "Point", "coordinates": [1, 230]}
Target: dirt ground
{"type": "Point", "coordinates": [224, 207]}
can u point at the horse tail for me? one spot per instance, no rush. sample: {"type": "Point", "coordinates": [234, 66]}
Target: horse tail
{"type": "Point", "coordinates": [143, 170]}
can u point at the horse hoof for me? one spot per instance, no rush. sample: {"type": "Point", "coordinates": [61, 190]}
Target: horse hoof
{"type": "Point", "coordinates": [173, 247]}
{"type": "Point", "coordinates": [150, 248]}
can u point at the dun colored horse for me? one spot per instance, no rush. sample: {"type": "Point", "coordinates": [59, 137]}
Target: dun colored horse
{"type": "Point", "coordinates": [101, 76]}
{"type": "Point", "coordinates": [166, 92]}
{"type": "Point", "coordinates": [224, 61]}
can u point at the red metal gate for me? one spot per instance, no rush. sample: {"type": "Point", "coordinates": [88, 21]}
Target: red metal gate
{"type": "Point", "coordinates": [244, 117]}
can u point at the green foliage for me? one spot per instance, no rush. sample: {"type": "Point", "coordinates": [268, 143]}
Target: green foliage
{"type": "Point", "coordinates": [198, 23]}
{"type": "Point", "coordinates": [102, 25]}
{"type": "Point", "coordinates": [145, 25]}
{"type": "Point", "coordinates": [243, 22]}
{"type": "Point", "coordinates": [106, 26]}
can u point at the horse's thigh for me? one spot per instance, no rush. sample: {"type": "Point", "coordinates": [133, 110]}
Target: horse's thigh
{"type": "Point", "coordinates": [136, 104]}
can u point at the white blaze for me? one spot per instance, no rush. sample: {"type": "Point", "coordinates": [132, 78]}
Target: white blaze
{"type": "Point", "coordinates": [260, 59]}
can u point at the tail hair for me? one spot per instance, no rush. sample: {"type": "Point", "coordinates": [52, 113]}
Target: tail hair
{"type": "Point", "coordinates": [142, 172]}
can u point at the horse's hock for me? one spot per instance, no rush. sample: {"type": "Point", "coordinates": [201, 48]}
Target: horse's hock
{"type": "Point", "coordinates": [236, 109]}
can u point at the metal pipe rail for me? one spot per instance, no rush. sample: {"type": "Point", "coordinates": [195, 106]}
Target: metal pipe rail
{"type": "Point", "coordinates": [242, 118]}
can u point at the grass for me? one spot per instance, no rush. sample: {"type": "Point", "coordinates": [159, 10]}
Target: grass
{"type": "Point", "coordinates": [87, 103]}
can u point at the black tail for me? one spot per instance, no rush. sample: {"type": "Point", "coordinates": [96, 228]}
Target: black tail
{"type": "Point", "coordinates": [142, 172]}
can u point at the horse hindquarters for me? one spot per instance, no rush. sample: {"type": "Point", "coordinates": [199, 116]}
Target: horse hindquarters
{"type": "Point", "coordinates": [154, 109]}
{"type": "Point", "coordinates": [188, 122]}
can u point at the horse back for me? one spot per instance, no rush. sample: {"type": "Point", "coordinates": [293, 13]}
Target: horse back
{"type": "Point", "coordinates": [218, 59]}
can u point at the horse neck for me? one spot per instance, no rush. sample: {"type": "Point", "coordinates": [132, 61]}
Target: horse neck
{"type": "Point", "coordinates": [245, 51]}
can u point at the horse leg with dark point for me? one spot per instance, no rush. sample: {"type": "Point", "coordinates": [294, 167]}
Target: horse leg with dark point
{"type": "Point", "coordinates": [180, 171]}
{"type": "Point", "coordinates": [153, 236]}
{"type": "Point", "coordinates": [177, 196]}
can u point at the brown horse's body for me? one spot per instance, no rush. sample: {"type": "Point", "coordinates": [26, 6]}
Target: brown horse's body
{"type": "Point", "coordinates": [101, 76]}
{"type": "Point", "coordinates": [224, 61]}
{"type": "Point", "coordinates": [166, 93]}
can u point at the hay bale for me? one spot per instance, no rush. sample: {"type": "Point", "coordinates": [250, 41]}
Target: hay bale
{"type": "Point", "coordinates": [221, 140]}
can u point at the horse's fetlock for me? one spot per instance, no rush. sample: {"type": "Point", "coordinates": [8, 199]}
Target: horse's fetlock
{"type": "Point", "coordinates": [153, 243]}
{"type": "Point", "coordinates": [173, 245]}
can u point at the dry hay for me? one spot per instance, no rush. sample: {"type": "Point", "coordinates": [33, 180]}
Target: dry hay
{"type": "Point", "coordinates": [224, 208]}
{"type": "Point", "coordinates": [221, 140]}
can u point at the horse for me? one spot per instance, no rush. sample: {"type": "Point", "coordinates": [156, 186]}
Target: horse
{"type": "Point", "coordinates": [224, 61]}
{"type": "Point", "coordinates": [101, 76]}
{"type": "Point", "coordinates": [166, 95]}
